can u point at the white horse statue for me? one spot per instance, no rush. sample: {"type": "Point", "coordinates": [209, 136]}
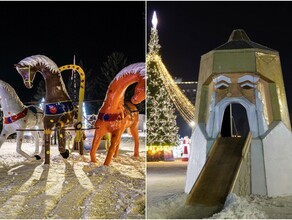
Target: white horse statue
{"type": "Point", "coordinates": [17, 117]}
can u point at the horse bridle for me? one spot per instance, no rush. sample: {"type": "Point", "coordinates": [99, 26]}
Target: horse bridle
{"type": "Point", "coordinates": [28, 80]}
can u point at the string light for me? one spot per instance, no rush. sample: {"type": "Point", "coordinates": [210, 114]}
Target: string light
{"type": "Point", "coordinates": [181, 102]}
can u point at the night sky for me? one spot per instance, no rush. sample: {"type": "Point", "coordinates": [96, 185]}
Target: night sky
{"type": "Point", "coordinates": [89, 30]}
{"type": "Point", "coordinates": [187, 30]}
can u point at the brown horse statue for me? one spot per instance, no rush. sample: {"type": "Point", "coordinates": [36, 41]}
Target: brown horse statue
{"type": "Point", "coordinates": [115, 115]}
{"type": "Point", "coordinates": [59, 111]}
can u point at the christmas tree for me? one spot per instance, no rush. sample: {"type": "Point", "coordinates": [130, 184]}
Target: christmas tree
{"type": "Point", "coordinates": [162, 131]}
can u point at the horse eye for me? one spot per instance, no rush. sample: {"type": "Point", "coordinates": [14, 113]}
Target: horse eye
{"type": "Point", "coordinates": [26, 75]}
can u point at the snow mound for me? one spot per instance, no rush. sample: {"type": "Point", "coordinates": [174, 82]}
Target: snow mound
{"type": "Point", "coordinates": [236, 207]}
{"type": "Point", "coordinates": [170, 208]}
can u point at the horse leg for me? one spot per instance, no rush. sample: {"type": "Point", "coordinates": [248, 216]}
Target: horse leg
{"type": "Point", "coordinates": [47, 138]}
{"type": "Point", "coordinates": [40, 138]}
{"type": "Point", "coordinates": [117, 150]}
{"type": "Point", "coordinates": [107, 140]}
{"type": "Point", "coordinates": [37, 137]}
{"type": "Point", "coordinates": [40, 135]}
{"type": "Point", "coordinates": [62, 143]}
{"type": "Point", "coordinates": [69, 138]}
{"type": "Point", "coordinates": [36, 142]}
{"type": "Point", "coordinates": [99, 133]}
{"type": "Point", "coordinates": [19, 143]}
{"type": "Point", "coordinates": [135, 135]}
{"type": "Point", "coordinates": [117, 147]}
{"type": "Point", "coordinates": [115, 141]}
{"type": "Point", "coordinates": [3, 136]}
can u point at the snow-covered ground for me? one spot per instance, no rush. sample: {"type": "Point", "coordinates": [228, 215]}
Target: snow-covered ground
{"type": "Point", "coordinates": [72, 188]}
{"type": "Point", "coordinates": [166, 198]}
{"type": "Point", "coordinates": [75, 188]}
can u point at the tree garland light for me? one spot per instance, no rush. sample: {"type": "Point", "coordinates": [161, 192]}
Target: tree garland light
{"type": "Point", "coordinates": [182, 103]}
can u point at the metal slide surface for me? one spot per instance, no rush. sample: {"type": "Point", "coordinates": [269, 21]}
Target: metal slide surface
{"type": "Point", "coordinates": [218, 173]}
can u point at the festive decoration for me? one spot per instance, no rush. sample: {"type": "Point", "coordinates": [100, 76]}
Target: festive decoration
{"type": "Point", "coordinates": [156, 152]}
{"type": "Point", "coordinates": [115, 115]}
{"type": "Point", "coordinates": [162, 131]}
{"type": "Point", "coordinates": [18, 117]}
{"type": "Point", "coordinates": [153, 45]}
{"type": "Point", "coordinates": [181, 102]}
{"type": "Point", "coordinates": [185, 156]}
{"type": "Point", "coordinates": [56, 94]}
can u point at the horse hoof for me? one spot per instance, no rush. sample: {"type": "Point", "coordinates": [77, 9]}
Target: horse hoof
{"type": "Point", "coordinates": [37, 157]}
{"type": "Point", "coordinates": [65, 154]}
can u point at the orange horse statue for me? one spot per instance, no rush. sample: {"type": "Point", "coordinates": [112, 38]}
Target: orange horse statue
{"type": "Point", "coordinates": [115, 115]}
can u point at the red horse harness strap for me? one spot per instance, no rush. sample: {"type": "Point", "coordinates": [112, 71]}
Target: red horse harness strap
{"type": "Point", "coordinates": [13, 118]}
{"type": "Point", "coordinates": [110, 117]}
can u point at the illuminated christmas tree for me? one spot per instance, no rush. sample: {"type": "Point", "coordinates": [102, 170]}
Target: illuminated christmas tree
{"type": "Point", "coordinates": [162, 131]}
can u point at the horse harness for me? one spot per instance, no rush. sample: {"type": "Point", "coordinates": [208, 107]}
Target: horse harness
{"type": "Point", "coordinates": [22, 114]}
{"type": "Point", "coordinates": [13, 118]}
{"type": "Point", "coordinates": [58, 108]}
{"type": "Point", "coordinates": [116, 117]}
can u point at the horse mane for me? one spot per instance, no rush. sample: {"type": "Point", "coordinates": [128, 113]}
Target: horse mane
{"type": "Point", "coordinates": [131, 69]}
{"type": "Point", "coordinates": [41, 60]}
{"type": "Point", "coordinates": [12, 92]}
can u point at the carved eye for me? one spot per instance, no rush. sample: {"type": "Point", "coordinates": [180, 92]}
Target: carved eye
{"type": "Point", "coordinates": [247, 87]}
{"type": "Point", "coordinates": [222, 87]}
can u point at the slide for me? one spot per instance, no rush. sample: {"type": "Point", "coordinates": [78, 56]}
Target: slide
{"type": "Point", "coordinates": [218, 173]}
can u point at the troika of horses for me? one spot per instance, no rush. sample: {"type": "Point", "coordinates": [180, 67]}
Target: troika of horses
{"type": "Point", "coordinates": [114, 116]}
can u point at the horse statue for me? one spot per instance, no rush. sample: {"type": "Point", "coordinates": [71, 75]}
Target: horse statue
{"type": "Point", "coordinates": [59, 111]}
{"type": "Point", "coordinates": [115, 115]}
{"type": "Point", "coordinates": [17, 117]}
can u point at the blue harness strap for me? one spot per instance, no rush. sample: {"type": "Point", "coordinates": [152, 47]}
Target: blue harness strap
{"type": "Point", "coordinates": [58, 108]}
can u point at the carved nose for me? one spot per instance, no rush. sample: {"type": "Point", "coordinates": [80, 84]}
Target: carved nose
{"type": "Point", "coordinates": [233, 90]}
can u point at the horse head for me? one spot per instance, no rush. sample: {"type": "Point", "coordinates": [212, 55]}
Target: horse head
{"type": "Point", "coordinates": [27, 73]}
{"type": "Point", "coordinates": [139, 94]}
{"type": "Point", "coordinates": [28, 67]}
